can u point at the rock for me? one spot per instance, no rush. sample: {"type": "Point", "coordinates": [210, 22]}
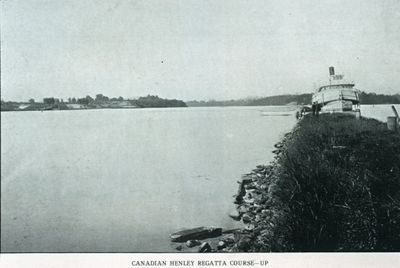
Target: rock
{"type": "Point", "coordinates": [278, 145]}
{"type": "Point", "coordinates": [179, 247]}
{"type": "Point", "coordinates": [277, 151]}
{"type": "Point", "coordinates": [221, 245]}
{"type": "Point", "coordinates": [235, 215]}
{"type": "Point", "coordinates": [250, 227]}
{"type": "Point", "coordinates": [205, 247]}
{"type": "Point", "coordinates": [242, 209]}
{"type": "Point", "coordinates": [244, 243]}
{"type": "Point", "coordinates": [246, 218]}
{"type": "Point", "coordinates": [246, 179]}
{"type": "Point", "coordinates": [249, 200]}
{"type": "Point", "coordinates": [259, 208]}
{"type": "Point", "coordinates": [249, 186]}
{"type": "Point", "coordinates": [241, 192]}
{"type": "Point", "coordinates": [262, 186]}
{"type": "Point", "coordinates": [192, 243]}
{"type": "Point", "coordinates": [267, 212]}
{"type": "Point", "coordinates": [229, 240]}
{"type": "Point", "coordinates": [238, 199]}
{"type": "Point", "coordinates": [195, 233]}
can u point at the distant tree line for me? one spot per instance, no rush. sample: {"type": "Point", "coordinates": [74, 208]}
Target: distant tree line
{"type": "Point", "coordinates": [283, 100]}
{"type": "Point", "coordinates": [373, 98]}
{"type": "Point", "coordinates": [305, 99]}
{"type": "Point", "coordinates": [154, 101]}
{"type": "Point", "coordinates": [100, 101]}
{"type": "Point", "coordinates": [100, 98]}
{"type": "Point", "coordinates": [272, 100]}
{"type": "Point", "coordinates": [142, 102]}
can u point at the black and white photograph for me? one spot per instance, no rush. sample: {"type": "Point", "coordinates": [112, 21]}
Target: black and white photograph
{"type": "Point", "coordinates": [200, 126]}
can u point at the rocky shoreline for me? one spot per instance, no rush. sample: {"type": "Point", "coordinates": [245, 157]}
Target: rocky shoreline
{"type": "Point", "coordinates": [334, 185]}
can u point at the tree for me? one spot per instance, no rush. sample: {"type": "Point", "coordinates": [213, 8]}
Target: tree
{"type": "Point", "coordinates": [101, 98]}
{"type": "Point", "coordinates": [31, 101]}
{"type": "Point", "coordinates": [90, 99]}
{"type": "Point", "coordinates": [73, 100]}
{"type": "Point", "coordinates": [49, 101]}
{"type": "Point", "coordinates": [83, 101]}
{"type": "Point", "coordinates": [120, 98]}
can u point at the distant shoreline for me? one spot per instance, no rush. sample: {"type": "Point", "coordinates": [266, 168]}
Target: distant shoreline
{"type": "Point", "coordinates": [89, 103]}
{"type": "Point", "coordinates": [104, 102]}
{"type": "Point", "coordinates": [88, 109]}
{"type": "Point", "coordinates": [292, 99]}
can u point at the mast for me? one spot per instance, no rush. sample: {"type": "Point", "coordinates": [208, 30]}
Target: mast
{"type": "Point", "coordinates": [331, 74]}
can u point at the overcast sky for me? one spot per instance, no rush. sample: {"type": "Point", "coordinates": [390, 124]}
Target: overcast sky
{"type": "Point", "coordinates": [195, 49]}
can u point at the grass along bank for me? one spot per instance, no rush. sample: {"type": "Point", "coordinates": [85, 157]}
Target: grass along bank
{"type": "Point", "coordinates": [334, 186]}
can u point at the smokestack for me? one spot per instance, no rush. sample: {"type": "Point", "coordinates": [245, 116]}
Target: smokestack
{"type": "Point", "coordinates": [331, 70]}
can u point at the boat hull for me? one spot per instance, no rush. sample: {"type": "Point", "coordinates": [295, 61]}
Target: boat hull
{"type": "Point", "coordinates": [338, 106]}
{"type": "Point", "coordinates": [336, 100]}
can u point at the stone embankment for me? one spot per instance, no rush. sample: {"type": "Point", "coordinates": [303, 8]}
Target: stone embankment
{"type": "Point", "coordinates": [334, 185]}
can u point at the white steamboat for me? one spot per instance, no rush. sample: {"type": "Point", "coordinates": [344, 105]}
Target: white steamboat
{"type": "Point", "coordinates": [338, 96]}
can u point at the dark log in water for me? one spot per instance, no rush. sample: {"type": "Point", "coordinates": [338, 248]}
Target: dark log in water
{"type": "Point", "coordinates": [195, 233]}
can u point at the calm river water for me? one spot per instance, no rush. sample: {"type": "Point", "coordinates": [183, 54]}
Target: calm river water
{"type": "Point", "coordinates": [123, 180]}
